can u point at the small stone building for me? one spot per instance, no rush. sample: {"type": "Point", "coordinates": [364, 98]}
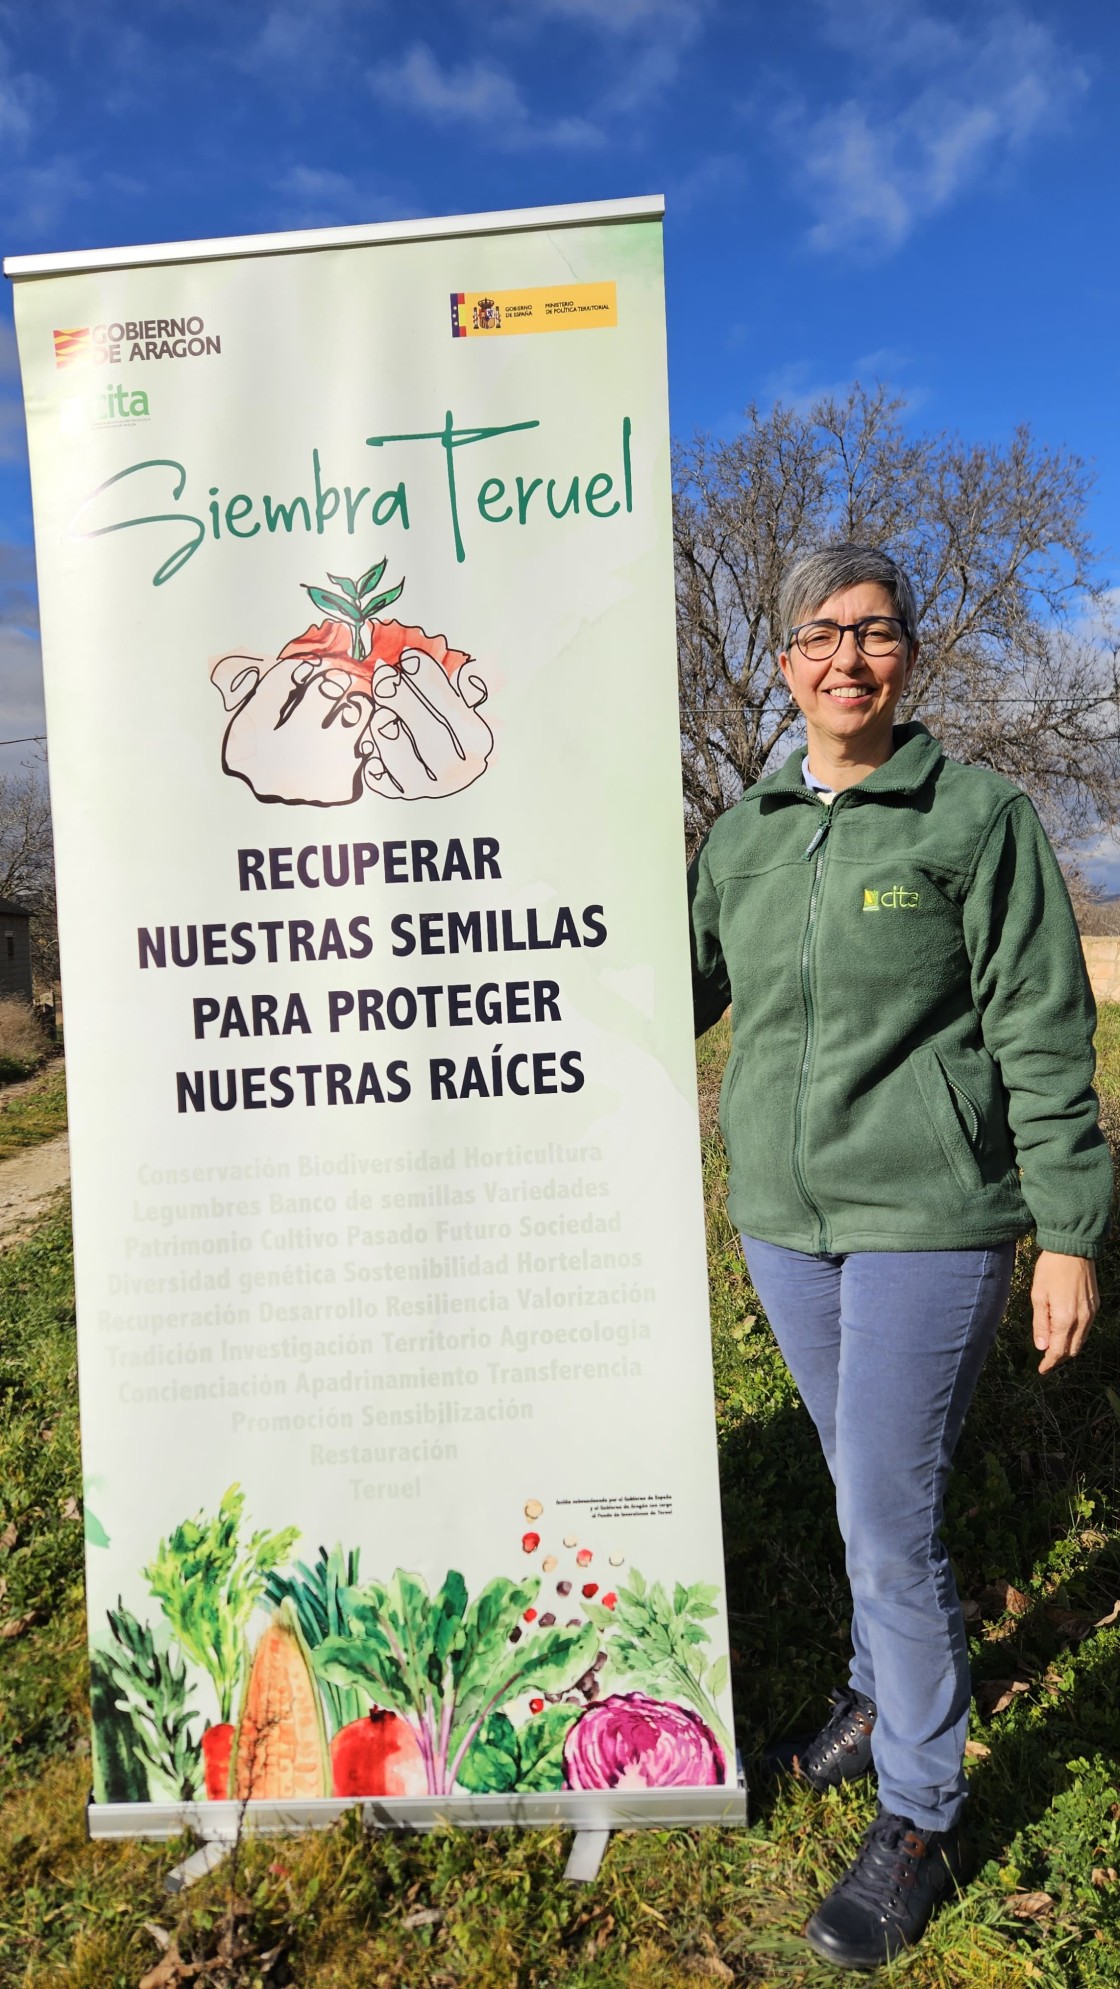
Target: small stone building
{"type": "Point", "coordinates": [1102, 958]}
{"type": "Point", "coordinates": [15, 951]}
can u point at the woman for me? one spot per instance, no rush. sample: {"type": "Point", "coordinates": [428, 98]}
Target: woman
{"type": "Point", "coordinates": [909, 1091]}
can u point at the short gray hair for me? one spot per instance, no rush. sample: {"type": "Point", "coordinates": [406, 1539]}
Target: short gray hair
{"type": "Point", "coordinates": [815, 576]}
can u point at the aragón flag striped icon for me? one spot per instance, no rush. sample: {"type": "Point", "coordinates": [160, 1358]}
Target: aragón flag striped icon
{"type": "Point", "coordinates": [70, 347]}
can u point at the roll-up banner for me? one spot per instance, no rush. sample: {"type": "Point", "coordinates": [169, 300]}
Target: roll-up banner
{"type": "Point", "coordinates": [355, 559]}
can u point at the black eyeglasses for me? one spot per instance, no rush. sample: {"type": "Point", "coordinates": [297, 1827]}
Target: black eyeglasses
{"type": "Point", "coordinates": [876, 635]}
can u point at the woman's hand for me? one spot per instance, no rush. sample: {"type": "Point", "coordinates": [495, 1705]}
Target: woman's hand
{"type": "Point", "coordinates": [1065, 1300]}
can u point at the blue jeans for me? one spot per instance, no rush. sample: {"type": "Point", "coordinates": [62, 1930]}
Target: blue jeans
{"type": "Point", "coordinates": [886, 1348]}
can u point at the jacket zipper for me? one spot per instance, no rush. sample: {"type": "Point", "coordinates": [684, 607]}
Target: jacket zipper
{"type": "Point", "coordinates": [818, 857]}
{"type": "Point", "coordinates": [970, 1112]}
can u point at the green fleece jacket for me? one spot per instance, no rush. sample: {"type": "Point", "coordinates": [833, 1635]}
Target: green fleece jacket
{"type": "Point", "coordinates": [912, 1058]}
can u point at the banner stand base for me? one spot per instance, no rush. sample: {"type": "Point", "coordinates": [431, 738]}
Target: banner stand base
{"type": "Point", "coordinates": [586, 1855]}
{"type": "Point", "coordinates": [200, 1863]}
{"type": "Point", "coordinates": [593, 1811]}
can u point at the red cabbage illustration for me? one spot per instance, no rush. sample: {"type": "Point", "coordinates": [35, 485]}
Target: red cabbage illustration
{"type": "Point", "coordinates": [631, 1742]}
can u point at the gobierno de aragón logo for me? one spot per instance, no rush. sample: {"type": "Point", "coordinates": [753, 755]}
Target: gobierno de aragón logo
{"type": "Point", "coordinates": [135, 339]}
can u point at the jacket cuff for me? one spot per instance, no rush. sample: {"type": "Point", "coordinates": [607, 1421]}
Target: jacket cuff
{"type": "Point", "coordinates": [1069, 1246]}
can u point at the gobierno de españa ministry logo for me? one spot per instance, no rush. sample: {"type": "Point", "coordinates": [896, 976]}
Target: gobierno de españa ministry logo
{"type": "Point", "coordinates": [134, 340]}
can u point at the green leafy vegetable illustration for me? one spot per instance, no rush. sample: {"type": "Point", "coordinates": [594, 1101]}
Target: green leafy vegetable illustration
{"type": "Point", "coordinates": [120, 1770]}
{"type": "Point", "coordinates": [451, 1665]}
{"type": "Point", "coordinates": [319, 1597]}
{"type": "Point", "coordinates": [528, 1757]}
{"type": "Point", "coordinates": [149, 1684]}
{"type": "Point", "coordinates": [355, 602]}
{"type": "Point", "coordinates": [660, 1643]}
{"type": "Point", "coordinates": [209, 1583]}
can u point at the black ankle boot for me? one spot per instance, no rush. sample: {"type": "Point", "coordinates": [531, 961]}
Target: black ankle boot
{"type": "Point", "coordinates": [882, 1905]}
{"type": "Point", "coordinates": [842, 1749]}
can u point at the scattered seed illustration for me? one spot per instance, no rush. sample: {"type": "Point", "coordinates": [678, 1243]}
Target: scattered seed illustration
{"type": "Point", "coordinates": [571, 1540]}
{"type": "Point", "coordinates": [536, 1705]}
{"type": "Point", "coordinates": [530, 1616]}
{"type": "Point", "coordinates": [591, 1588]}
{"type": "Point", "coordinates": [584, 1558]}
{"type": "Point", "coordinates": [530, 1542]}
{"type": "Point", "coordinates": [533, 1508]}
{"type": "Point", "coordinates": [547, 1620]}
{"type": "Point", "coordinates": [563, 1588]}
{"type": "Point", "coordinates": [609, 1600]}
{"type": "Point", "coordinates": [617, 1560]}
{"type": "Point", "coordinates": [548, 1563]}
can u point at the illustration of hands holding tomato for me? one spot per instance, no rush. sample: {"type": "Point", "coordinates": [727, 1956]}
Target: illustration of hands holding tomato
{"type": "Point", "coordinates": [354, 705]}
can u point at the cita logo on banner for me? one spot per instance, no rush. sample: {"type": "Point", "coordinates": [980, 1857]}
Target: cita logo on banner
{"type": "Point", "coordinates": [116, 405]}
{"type": "Point", "coordinates": [145, 338]}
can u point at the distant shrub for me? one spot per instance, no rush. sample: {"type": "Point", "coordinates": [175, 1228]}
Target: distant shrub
{"type": "Point", "coordinates": [1099, 918]}
{"type": "Point", "coordinates": [23, 1044]}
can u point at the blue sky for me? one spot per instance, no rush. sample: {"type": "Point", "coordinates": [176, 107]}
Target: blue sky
{"type": "Point", "coordinates": [920, 193]}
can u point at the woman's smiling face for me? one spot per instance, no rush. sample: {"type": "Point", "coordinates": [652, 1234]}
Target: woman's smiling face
{"type": "Point", "coordinates": [849, 701]}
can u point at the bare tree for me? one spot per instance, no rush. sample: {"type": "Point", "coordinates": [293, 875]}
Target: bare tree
{"type": "Point", "coordinates": [1014, 671]}
{"type": "Point", "coordinates": [27, 863]}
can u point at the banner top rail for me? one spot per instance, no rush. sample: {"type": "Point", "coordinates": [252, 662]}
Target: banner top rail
{"type": "Point", "coordinates": [514, 220]}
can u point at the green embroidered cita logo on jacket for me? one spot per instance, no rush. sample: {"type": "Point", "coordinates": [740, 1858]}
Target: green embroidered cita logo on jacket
{"type": "Point", "coordinates": [897, 899]}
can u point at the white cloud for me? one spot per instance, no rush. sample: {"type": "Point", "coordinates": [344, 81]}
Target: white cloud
{"type": "Point", "coordinates": [480, 94]}
{"type": "Point", "coordinates": [13, 433]}
{"type": "Point", "coordinates": [23, 97]}
{"type": "Point", "coordinates": [941, 108]}
{"type": "Point", "coordinates": [798, 384]}
{"type": "Point", "coordinates": [9, 353]}
{"type": "Point", "coordinates": [21, 661]}
{"type": "Point", "coordinates": [647, 39]}
{"type": "Point", "coordinates": [651, 38]}
{"type": "Point", "coordinates": [720, 172]}
{"type": "Point", "coordinates": [21, 685]}
{"type": "Point", "coordinates": [35, 198]}
{"type": "Point", "coordinates": [683, 18]}
{"type": "Point", "coordinates": [311, 39]}
{"type": "Point", "coordinates": [1099, 858]}
{"type": "Point", "coordinates": [316, 197]}
{"type": "Point", "coordinates": [642, 80]}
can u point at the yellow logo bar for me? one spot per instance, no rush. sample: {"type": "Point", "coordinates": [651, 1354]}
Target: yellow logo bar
{"type": "Point", "coordinates": [506, 313]}
{"type": "Point", "coordinates": [871, 901]}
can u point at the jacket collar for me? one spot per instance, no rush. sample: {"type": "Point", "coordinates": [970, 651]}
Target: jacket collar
{"type": "Point", "coordinates": [916, 756]}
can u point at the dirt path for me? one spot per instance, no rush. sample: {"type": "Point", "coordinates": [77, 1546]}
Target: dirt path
{"type": "Point", "coordinates": [27, 1182]}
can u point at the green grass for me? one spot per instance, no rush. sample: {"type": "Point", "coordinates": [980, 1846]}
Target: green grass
{"type": "Point", "coordinates": [1035, 1502]}
{"type": "Point", "coordinates": [37, 1114]}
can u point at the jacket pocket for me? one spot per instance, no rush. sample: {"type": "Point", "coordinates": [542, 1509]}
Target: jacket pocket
{"type": "Point", "coordinates": [730, 1079]}
{"type": "Point", "coordinates": [962, 1108]}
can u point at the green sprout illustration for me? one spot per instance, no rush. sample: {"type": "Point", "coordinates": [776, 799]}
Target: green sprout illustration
{"type": "Point", "coordinates": [355, 602]}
